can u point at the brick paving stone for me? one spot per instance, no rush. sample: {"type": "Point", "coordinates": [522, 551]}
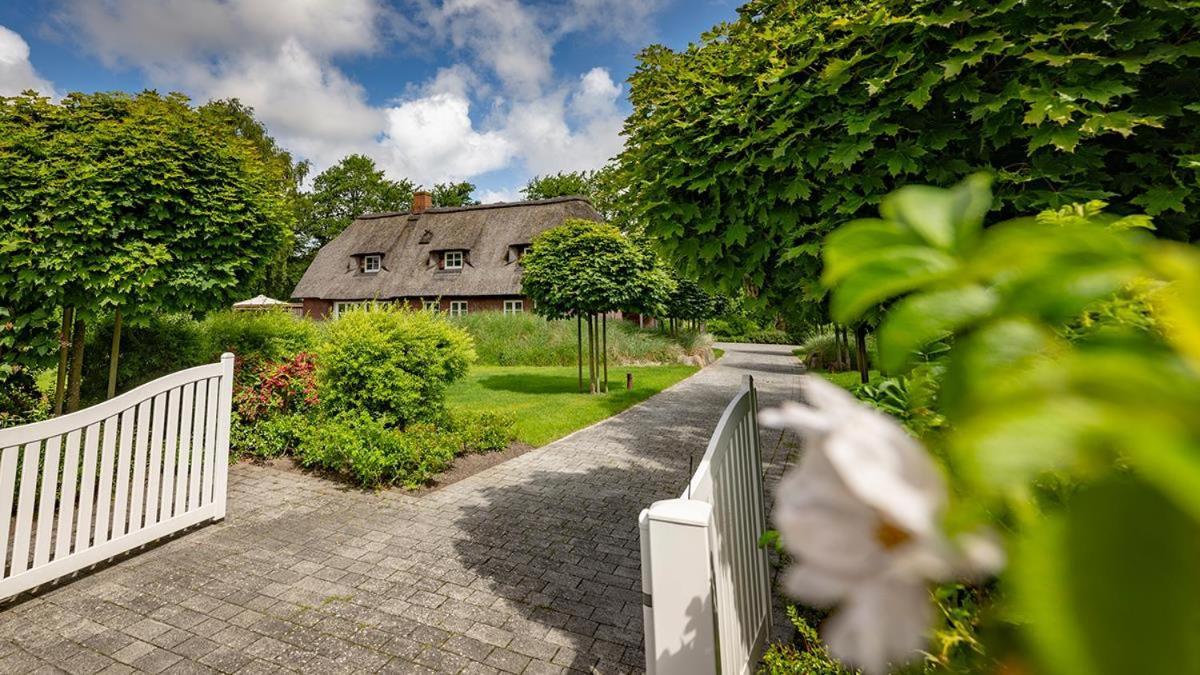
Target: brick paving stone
{"type": "Point", "coordinates": [529, 565]}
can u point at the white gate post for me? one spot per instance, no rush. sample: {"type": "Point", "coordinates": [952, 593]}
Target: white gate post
{"type": "Point", "coordinates": [680, 636]}
{"type": "Point", "coordinates": [225, 419]}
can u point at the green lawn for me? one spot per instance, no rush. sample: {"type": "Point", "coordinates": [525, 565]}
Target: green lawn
{"type": "Point", "coordinates": [847, 379]}
{"type": "Point", "coordinates": [546, 400]}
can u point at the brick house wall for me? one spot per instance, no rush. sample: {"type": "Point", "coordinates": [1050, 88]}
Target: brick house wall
{"type": "Point", "coordinates": [318, 309]}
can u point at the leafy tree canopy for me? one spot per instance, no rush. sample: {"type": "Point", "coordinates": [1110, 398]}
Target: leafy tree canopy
{"type": "Point", "coordinates": [585, 267]}
{"type": "Point", "coordinates": [453, 194]}
{"type": "Point", "coordinates": [114, 200]}
{"type": "Point", "coordinates": [745, 149]}
{"type": "Point", "coordinates": [343, 192]}
{"type": "Point", "coordinates": [561, 184]}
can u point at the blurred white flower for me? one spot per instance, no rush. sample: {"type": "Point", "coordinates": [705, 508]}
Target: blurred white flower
{"type": "Point", "coordinates": [860, 514]}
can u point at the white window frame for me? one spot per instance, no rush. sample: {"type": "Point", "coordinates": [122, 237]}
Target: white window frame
{"type": "Point", "coordinates": [345, 306]}
{"type": "Point", "coordinates": [458, 308]}
{"type": "Point", "coordinates": [512, 307]}
{"type": "Point", "coordinates": [458, 256]}
{"type": "Point", "coordinates": [431, 305]}
{"type": "Point", "coordinates": [375, 258]}
{"type": "Point", "coordinates": [525, 250]}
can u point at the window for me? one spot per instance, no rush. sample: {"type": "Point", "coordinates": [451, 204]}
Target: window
{"type": "Point", "coordinates": [452, 260]}
{"type": "Point", "coordinates": [340, 307]}
{"type": "Point", "coordinates": [458, 308]}
{"type": "Point", "coordinates": [514, 306]}
{"type": "Point", "coordinates": [372, 263]}
{"type": "Point", "coordinates": [525, 250]}
{"type": "Point", "coordinates": [431, 305]}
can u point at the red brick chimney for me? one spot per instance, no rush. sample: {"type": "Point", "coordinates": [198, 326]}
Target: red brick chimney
{"type": "Point", "coordinates": [421, 201]}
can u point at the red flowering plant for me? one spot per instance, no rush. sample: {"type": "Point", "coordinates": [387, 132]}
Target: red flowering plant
{"type": "Point", "coordinates": [282, 387]}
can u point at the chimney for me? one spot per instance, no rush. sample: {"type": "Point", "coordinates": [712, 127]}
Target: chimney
{"type": "Point", "coordinates": [421, 201]}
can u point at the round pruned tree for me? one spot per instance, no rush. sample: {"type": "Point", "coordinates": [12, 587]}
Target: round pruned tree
{"type": "Point", "coordinates": [124, 204]}
{"type": "Point", "coordinates": [584, 269]}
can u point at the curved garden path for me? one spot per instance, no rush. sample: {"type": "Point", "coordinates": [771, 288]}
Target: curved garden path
{"type": "Point", "coordinates": [530, 566]}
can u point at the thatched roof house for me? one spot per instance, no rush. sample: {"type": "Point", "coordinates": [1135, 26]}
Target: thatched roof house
{"type": "Point", "coordinates": [464, 259]}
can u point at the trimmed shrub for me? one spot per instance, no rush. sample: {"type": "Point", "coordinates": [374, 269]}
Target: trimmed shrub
{"type": "Point", "coordinates": [530, 340]}
{"type": "Point", "coordinates": [255, 338]}
{"type": "Point", "coordinates": [394, 363]}
{"type": "Point", "coordinates": [482, 431]}
{"type": "Point", "coordinates": [268, 437]}
{"type": "Point", "coordinates": [372, 454]}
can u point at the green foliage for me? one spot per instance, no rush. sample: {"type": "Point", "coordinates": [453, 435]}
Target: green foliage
{"type": "Point", "coordinates": [20, 401]}
{"type": "Point", "coordinates": [115, 200]}
{"type": "Point", "coordinates": [343, 192]}
{"type": "Point", "coordinates": [807, 655]}
{"type": "Point", "coordinates": [391, 362]}
{"type": "Point", "coordinates": [482, 430]}
{"type": "Point", "coordinates": [561, 184]}
{"type": "Point", "coordinates": [372, 453]}
{"type": "Point", "coordinates": [584, 267]}
{"type": "Point", "coordinates": [158, 345]}
{"type": "Point", "coordinates": [726, 330]}
{"type": "Point", "coordinates": [268, 437]}
{"type": "Point", "coordinates": [749, 146]}
{"type": "Point", "coordinates": [1083, 444]}
{"type": "Point", "coordinates": [530, 340]}
{"type": "Point", "coordinates": [453, 194]}
{"type": "Point", "coordinates": [690, 302]}
{"type": "Point", "coordinates": [255, 338]}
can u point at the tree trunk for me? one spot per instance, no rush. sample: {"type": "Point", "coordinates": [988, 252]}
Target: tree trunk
{"type": "Point", "coordinates": [860, 344]}
{"type": "Point", "coordinates": [76, 377]}
{"type": "Point", "coordinates": [579, 346]}
{"type": "Point", "coordinates": [591, 356]}
{"type": "Point", "coordinates": [64, 355]}
{"type": "Point", "coordinates": [114, 356]}
{"type": "Point", "coordinates": [604, 333]}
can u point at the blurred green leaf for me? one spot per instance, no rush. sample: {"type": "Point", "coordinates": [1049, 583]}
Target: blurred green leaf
{"type": "Point", "coordinates": [944, 218]}
{"type": "Point", "coordinates": [1110, 586]}
{"type": "Point", "coordinates": [888, 275]}
{"type": "Point", "coordinates": [920, 319]}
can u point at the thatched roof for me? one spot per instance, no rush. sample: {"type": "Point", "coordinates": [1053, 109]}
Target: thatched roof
{"type": "Point", "coordinates": [408, 243]}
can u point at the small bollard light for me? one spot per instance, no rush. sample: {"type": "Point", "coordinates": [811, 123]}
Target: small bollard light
{"type": "Point", "coordinates": [629, 380]}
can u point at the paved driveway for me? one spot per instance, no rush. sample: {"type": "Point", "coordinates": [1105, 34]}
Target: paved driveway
{"type": "Point", "coordinates": [528, 567]}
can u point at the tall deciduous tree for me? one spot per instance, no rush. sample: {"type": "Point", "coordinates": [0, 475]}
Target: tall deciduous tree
{"type": "Point", "coordinates": [561, 184]}
{"type": "Point", "coordinates": [749, 146]}
{"type": "Point", "coordinates": [584, 269]}
{"type": "Point", "coordinates": [343, 192]}
{"type": "Point", "coordinates": [453, 194]}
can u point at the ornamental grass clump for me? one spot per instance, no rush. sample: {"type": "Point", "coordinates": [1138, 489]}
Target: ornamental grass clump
{"type": "Point", "coordinates": [392, 363]}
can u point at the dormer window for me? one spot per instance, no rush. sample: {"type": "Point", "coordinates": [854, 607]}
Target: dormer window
{"type": "Point", "coordinates": [372, 263]}
{"type": "Point", "coordinates": [452, 260]}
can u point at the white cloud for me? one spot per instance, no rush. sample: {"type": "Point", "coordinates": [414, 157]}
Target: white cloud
{"type": "Point", "coordinates": [432, 139]}
{"type": "Point", "coordinates": [501, 195]}
{"type": "Point", "coordinates": [16, 72]}
{"type": "Point", "coordinates": [141, 32]}
{"type": "Point", "coordinates": [278, 57]}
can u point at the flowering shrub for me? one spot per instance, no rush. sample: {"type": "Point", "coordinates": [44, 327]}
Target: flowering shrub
{"type": "Point", "coordinates": [269, 409]}
{"type": "Point", "coordinates": [286, 386]}
{"type": "Point", "coordinates": [1081, 448]}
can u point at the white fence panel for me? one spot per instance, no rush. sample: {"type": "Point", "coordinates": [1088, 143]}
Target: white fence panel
{"type": "Point", "coordinates": [62, 510]}
{"type": "Point", "coordinates": [705, 580]}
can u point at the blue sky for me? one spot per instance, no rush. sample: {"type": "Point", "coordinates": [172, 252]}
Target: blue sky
{"type": "Point", "coordinates": [491, 91]}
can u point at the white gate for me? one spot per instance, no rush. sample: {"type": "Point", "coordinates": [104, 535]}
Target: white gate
{"type": "Point", "coordinates": [95, 483]}
{"type": "Point", "coordinates": [705, 580]}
